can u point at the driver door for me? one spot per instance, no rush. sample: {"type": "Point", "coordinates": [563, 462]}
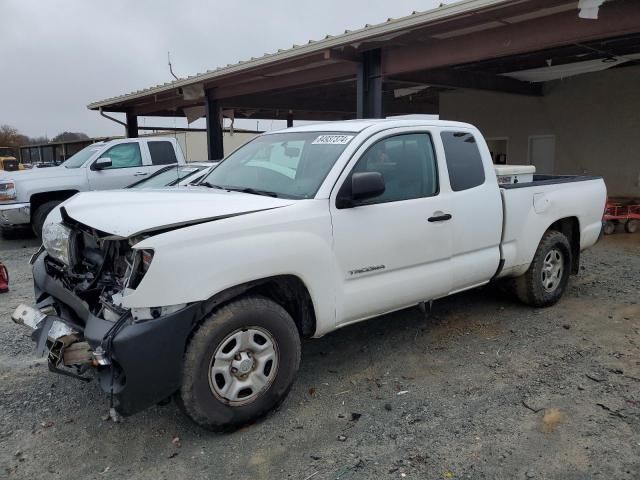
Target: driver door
{"type": "Point", "coordinates": [126, 168]}
{"type": "Point", "coordinates": [392, 250]}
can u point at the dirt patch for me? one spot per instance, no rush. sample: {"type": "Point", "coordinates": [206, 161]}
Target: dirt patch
{"type": "Point", "coordinates": [552, 418]}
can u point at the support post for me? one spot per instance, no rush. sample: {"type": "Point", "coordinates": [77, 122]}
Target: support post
{"type": "Point", "coordinates": [290, 119]}
{"type": "Point", "coordinates": [215, 145]}
{"type": "Point", "coordinates": [369, 85]}
{"type": "Point", "coordinates": [132, 125]}
{"type": "Point", "coordinates": [64, 151]}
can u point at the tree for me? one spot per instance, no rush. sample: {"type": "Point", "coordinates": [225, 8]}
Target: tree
{"type": "Point", "coordinates": [10, 137]}
{"type": "Point", "coordinates": [69, 137]}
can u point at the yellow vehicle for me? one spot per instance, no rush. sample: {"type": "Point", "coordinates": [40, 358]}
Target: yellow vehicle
{"type": "Point", "coordinates": [8, 160]}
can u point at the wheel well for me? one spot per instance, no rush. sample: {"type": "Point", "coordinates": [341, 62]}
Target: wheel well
{"type": "Point", "coordinates": [570, 227]}
{"type": "Point", "coordinates": [39, 199]}
{"type": "Point", "coordinates": [288, 291]}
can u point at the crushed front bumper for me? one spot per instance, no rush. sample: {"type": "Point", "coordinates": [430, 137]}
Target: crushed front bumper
{"type": "Point", "coordinates": [146, 358]}
{"type": "Point", "coordinates": [14, 214]}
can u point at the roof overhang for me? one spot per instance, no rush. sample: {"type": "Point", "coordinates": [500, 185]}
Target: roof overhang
{"type": "Point", "coordinates": [427, 52]}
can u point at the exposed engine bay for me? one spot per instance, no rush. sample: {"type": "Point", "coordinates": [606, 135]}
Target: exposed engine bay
{"type": "Point", "coordinates": [99, 269]}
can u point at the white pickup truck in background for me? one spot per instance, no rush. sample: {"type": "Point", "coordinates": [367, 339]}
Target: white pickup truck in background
{"type": "Point", "coordinates": [27, 196]}
{"type": "Point", "coordinates": [206, 293]}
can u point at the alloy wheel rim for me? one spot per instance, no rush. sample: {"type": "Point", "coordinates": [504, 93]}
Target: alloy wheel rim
{"type": "Point", "coordinates": [243, 366]}
{"type": "Point", "coordinates": [552, 270]}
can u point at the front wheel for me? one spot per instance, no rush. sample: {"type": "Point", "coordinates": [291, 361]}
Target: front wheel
{"type": "Point", "coordinates": [546, 279]}
{"type": "Point", "coordinates": [40, 215]}
{"type": "Point", "coordinates": [240, 364]}
{"type": "Point", "coordinates": [631, 226]}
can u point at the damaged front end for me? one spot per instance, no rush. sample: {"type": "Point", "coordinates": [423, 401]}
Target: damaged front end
{"type": "Point", "coordinates": [80, 278]}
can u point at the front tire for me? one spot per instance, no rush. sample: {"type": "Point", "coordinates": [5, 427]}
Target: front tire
{"type": "Point", "coordinates": [631, 226]}
{"type": "Point", "coordinates": [40, 215]}
{"type": "Point", "coordinates": [240, 364]}
{"type": "Point", "coordinates": [546, 279]}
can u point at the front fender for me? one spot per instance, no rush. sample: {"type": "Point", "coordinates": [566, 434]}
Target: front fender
{"type": "Point", "coordinates": [194, 263]}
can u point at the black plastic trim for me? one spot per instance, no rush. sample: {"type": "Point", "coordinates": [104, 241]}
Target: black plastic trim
{"type": "Point", "coordinates": [539, 180]}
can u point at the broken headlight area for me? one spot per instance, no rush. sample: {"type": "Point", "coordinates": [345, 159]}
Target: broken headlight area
{"type": "Point", "coordinates": [98, 270]}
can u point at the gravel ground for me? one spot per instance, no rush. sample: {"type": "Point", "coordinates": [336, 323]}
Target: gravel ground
{"type": "Point", "coordinates": [482, 388]}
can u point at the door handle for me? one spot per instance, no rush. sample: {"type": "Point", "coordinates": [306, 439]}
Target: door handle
{"type": "Point", "coordinates": [440, 218]}
{"type": "Point", "coordinates": [139, 174]}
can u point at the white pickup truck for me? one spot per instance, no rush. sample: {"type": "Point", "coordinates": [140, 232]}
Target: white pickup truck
{"type": "Point", "coordinates": [205, 293]}
{"type": "Point", "coordinates": [27, 196]}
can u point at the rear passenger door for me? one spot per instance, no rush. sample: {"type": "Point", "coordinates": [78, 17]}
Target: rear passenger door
{"type": "Point", "coordinates": [161, 153]}
{"type": "Point", "coordinates": [476, 207]}
{"type": "Point", "coordinates": [393, 250]}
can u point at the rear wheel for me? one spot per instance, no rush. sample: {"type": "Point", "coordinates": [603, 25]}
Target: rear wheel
{"type": "Point", "coordinates": [546, 279]}
{"type": "Point", "coordinates": [240, 364]}
{"type": "Point", "coordinates": [40, 215]}
{"type": "Point", "coordinates": [609, 227]}
{"type": "Point", "coordinates": [631, 226]}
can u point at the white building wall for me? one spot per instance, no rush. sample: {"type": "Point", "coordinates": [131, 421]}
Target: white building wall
{"type": "Point", "coordinates": [194, 144]}
{"type": "Point", "coordinates": [595, 118]}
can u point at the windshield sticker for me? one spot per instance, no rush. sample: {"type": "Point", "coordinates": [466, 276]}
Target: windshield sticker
{"type": "Point", "coordinates": [332, 140]}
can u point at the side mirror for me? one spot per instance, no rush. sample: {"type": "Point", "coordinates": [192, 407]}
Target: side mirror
{"type": "Point", "coordinates": [364, 185]}
{"type": "Point", "coordinates": [102, 163]}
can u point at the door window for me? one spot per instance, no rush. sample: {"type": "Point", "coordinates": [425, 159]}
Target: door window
{"type": "Point", "coordinates": [464, 162]}
{"type": "Point", "coordinates": [162, 153]}
{"type": "Point", "coordinates": [124, 155]}
{"type": "Point", "coordinates": [407, 163]}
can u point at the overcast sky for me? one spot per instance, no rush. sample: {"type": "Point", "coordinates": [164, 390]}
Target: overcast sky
{"type": "Point", "coordinates": [58, 56]}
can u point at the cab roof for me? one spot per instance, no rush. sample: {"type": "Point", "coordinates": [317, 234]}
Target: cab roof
{"type": "Point", "coordinates": [357, 126]}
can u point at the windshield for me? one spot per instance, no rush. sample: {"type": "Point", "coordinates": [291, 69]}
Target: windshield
{"type": "Point", "coordinates": [168, 176]}
{"type": "Point", "coordinates": [79, 159]}
{"type": "Point", "coordinates": [289, 164]}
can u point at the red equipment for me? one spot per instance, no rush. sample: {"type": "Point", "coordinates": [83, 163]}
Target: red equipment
{"type": "Point", "coordinates": [4, 279]}
{"type": "Point", "coordinates": [619, 213]}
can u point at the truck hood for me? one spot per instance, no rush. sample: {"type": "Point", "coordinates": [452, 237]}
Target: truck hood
{"type": "Point", "coordinates": [126, 213]}
{"type": "Point", "coordinates": [49, 172]}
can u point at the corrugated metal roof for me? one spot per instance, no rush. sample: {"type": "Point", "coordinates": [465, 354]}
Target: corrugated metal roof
{"type": "Point", "coordinates": [368, 32]}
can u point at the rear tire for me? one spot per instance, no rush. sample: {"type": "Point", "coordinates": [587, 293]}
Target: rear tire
{"type": "Point", "coordinates": [40, 215]}
{"type": "Point", "coordinates": [631, 226]}
{"type": "Point", "coordinates": [227, 379]}
{"type": "Point", "coordinates": [546, 279]}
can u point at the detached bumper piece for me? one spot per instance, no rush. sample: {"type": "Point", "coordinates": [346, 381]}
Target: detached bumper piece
{"type": "Point", "coordinates": [53, 336]}
{"type": "Point", "coordinates": [139, 363]}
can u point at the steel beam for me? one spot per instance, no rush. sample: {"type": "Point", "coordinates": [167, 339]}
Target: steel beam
{"type": "Point", "coordinates": [215, 145]}
{"type": "Point", "coordinates": [334, 71]}
{"type": "Point", "coordinates": [132, 125]}
{"type": "Point", "coordinates": [446, 77]}
{"type": "Point", "coordinates": [369, 85]}
{"type": "Point", "coordinates": [615, 19]}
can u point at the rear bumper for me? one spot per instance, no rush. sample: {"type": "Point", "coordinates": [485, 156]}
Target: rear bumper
{"type": "Point", "coordinates": [146, 357]}
{"type": "Point", "coordinates": [14, 214]}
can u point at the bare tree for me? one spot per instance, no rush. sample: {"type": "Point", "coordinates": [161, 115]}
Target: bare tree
{"type": "Point", "coordinates": [10, 137]}
{"type": "Point", "coordinates": [70, 136]}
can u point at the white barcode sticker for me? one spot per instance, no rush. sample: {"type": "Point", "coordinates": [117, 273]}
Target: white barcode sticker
{"type": "Point", "coordinates": [332, 140]}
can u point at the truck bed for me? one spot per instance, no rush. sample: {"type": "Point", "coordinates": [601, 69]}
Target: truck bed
{"type": "Point", "coordinates": [529, 209]}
